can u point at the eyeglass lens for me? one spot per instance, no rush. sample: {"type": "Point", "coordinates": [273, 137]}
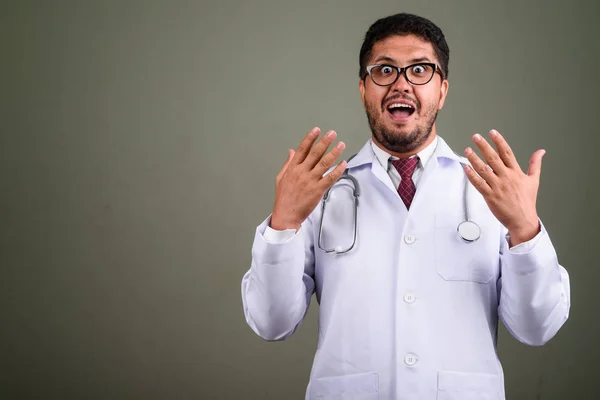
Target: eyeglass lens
{"type": "Point", "coordinates": [417, 74]}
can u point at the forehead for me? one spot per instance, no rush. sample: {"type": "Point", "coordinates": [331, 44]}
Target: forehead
{"type": "Point", "coordinates": [403, 49]}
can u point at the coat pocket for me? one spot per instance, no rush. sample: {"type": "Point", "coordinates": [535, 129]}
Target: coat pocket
{"type": "Point", "coordinates": [457, 260]}
{"type": "Point", "coordinates": [363, 386]}
{"type": "Point", "coordinates": [469, 386]}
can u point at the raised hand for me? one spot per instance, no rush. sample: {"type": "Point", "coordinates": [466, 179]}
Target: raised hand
{"type": "Point", "coordinates": [301, 183]}
{"type": "Point", "coordinates": [510, 193]}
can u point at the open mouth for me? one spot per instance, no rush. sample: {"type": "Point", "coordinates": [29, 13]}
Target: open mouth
{"type": "Point", "coordinates": [400, 111]}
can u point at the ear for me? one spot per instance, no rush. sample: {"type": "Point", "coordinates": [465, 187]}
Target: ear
{"type": "Point", "coordinates": [361, 88]}
{"type": "Point", "coordinates": [443, 93]}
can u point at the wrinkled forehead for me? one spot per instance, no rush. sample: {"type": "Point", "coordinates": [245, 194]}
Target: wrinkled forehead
{"type": "Point", "coordinates": [402, 50]}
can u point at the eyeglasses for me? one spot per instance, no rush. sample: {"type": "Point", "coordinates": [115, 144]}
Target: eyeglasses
{"type": "Point", "coordinates": [417, 74]}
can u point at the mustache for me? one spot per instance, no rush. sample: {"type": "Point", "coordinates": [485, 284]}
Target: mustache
{"type": "Point", "coordinates": [400, 97]}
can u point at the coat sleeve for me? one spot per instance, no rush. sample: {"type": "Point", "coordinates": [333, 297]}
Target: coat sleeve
{"type": "Point", "coordinates": [534, 290]}
{"type": "Point", "coordinates": [277, 289]}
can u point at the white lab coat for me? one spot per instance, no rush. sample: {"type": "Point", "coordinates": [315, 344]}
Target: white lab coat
{"type": "Point", "coordinates": [412, 311]}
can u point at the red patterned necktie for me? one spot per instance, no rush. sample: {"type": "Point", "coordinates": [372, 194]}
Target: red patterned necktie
{"type": "Point", "coordinates": [406, 189]}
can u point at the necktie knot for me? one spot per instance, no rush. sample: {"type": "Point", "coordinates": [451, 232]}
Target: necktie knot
{"type": "Point", "coordinates": [406, 166]}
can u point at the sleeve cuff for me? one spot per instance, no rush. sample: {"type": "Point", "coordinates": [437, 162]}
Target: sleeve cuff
{"type": "Point", "coordinates": [525, 247]}
{"type": "Point", "coordinates": [276, 237]}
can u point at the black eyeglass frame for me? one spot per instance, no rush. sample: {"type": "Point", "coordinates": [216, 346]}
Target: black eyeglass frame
{"type": "Point", "coordinates": [402, 70]}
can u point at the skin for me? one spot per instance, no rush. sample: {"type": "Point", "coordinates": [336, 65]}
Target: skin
{"type": "Point", "coordinates": [509, 192]}
{"type": "Point", "coordinates": [407, 138]}
{"type": "Point", "coordinates": [300, 184]}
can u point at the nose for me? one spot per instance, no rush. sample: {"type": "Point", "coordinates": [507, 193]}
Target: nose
{"type": "Point", "coordinates": [401, 85]}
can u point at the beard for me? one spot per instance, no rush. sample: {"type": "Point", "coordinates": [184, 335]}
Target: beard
{"type": "Point", "coordinates": [399, 140]}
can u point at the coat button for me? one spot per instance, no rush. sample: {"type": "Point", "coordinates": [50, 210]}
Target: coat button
{"type": "Point", "coordinates": [410, 359]}
{"type": "Point", "coordinates": [409, 239]}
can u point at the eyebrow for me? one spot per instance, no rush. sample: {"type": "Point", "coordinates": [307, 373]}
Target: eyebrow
{"type": "Point", "coordinates": [411, 61]}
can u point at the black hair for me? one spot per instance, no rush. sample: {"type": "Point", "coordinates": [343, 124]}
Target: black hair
{"type": "Point", "coordinates": [404, 24]}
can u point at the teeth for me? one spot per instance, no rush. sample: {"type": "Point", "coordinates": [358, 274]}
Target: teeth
{"type": "Point", "coordinates": [399, 105]}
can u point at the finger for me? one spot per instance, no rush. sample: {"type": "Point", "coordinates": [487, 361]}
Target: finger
{"type": "Point", "coordinates": [478, 182]}
{"type": "Point", "coordinates": [490, 155]}
{"type": "Point", "coordinates": [329, 159]}
{"type": "Point", "coordinates": [535, 163]}
{"type": "Point", "coordinates": [504, 150]}
{"type": "Point", "coordinates": [328, 180]}
{"type": "Point", "coordinates": [291, 153]}
{"type": "Point", "coordinates": [482, 169]}
{"type": "Point", "coordinates": [305, 146]}
{"type": "Point", "coordinates": [317, 151]}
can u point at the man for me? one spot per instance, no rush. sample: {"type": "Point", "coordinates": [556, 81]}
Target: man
{"type": "Point", "coordinates": [409, 307]}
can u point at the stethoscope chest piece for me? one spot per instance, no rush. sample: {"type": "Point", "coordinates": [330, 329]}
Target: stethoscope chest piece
{"type": "Point", "coordinates": [469, 231]}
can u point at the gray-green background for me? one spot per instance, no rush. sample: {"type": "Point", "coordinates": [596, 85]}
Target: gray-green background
{"type": "Point", "coordinates": [138, 151]}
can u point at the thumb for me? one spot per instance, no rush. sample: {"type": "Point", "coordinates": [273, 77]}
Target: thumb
{"type": "Point", "coordinates": [535, 163]}
{"type": "Point", "coordinates": [286, 164]}
{"type": "Point", "coordinates": [291, 153]}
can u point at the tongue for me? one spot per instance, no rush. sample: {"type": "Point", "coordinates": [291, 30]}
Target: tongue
{"type": "Point", "coordinates": [400, 112]}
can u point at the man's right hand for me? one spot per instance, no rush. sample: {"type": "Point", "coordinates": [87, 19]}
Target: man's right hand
{"type": "Point", "coordinates": [300, 184]}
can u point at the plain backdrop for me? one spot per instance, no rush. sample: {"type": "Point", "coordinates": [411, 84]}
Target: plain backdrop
{"type": "Point", "coordinates": [139, 146]}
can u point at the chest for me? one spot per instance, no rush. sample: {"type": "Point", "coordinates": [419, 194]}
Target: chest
{"type": "Point", "coordinates": [390, 243]}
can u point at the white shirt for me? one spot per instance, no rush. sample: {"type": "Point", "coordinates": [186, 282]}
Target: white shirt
{"type": "Point", "coordinates": [412, 311]}
{"type": "Point", "coordinates": [385, 160]}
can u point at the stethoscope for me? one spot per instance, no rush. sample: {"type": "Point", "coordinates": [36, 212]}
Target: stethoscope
{"type": "Point", "coordinates": [467, 230]}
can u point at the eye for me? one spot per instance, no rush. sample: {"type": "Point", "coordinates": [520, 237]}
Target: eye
{"type": "Point", "coordinates": [419, 69]}
{"type": "Point", "coordinates": [387, 70]}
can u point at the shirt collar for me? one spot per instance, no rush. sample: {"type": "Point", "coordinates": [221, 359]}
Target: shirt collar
{"type": "Point", "coordinates": [424, 155]}
{"type": "Point", "coordinates": [438, 148]}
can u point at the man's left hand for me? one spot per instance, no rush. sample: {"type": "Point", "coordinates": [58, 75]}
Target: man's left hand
{"type": "Point", "coordinates": [510, 193]}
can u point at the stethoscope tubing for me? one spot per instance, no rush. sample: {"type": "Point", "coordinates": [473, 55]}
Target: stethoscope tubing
{"type": "Point", "coordinates": [467, 230]}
